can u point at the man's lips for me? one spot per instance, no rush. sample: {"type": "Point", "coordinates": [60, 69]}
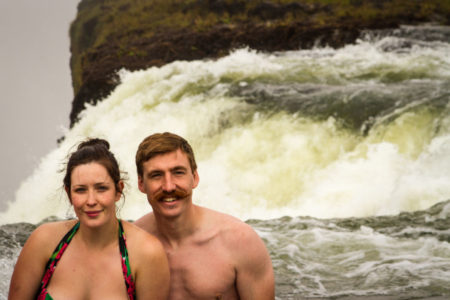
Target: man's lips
{"type": "Point", "coordinates": [172, 196]}
{"type": "Point", "coordinates": [169, 199]}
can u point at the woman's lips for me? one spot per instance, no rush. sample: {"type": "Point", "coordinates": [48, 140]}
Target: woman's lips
{"type": "Point", "coordinates": [93, 214]}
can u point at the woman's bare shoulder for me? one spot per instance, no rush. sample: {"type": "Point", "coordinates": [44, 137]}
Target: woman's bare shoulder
{"type": "Point", "coordinates": [43, 241]}
{"type": "Point", "coordinates": [139, 238]}
{"type": "Point", "coordinates": [146, 251]}
{"type": "Point", "coordinates": [52, 232]}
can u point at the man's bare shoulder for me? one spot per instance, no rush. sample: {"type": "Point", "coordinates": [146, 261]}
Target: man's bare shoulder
{"type": "Point", "coordinates": [243, 244]}
{"type": "Point", "coordinates": [231, 230]}
{"type": "Point", "coordinates": [249, 256]}
{"type": "Point", "coordinates": [147, 222]}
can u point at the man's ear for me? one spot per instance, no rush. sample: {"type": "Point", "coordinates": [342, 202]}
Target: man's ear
{"type": "Point", "coordinates": [141, 184]}
{"type": "Point", "coordinates": [196, 179]}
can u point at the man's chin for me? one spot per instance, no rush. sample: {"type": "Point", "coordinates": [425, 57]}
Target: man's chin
{"type": "Point", "coordinates": [170, 215]}
{"type": "Point", "coordinates": [171, 208]}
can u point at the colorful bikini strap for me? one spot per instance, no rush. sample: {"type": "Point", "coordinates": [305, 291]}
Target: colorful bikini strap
{"type": "Point", "coordinates": [53, 261]}
{"type": "Point", "coordinates": [131, 289]}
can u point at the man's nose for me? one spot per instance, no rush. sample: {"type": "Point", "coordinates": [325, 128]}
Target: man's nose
{"type": "Point", "coordinates": [168, 184]}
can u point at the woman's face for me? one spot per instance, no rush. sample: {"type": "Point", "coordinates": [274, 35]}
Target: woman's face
{"type": "Point", "coordinates": [93, 194]}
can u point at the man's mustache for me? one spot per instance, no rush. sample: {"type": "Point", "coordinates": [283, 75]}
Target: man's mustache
{"type": "Point", "coordinates": [177, 194]}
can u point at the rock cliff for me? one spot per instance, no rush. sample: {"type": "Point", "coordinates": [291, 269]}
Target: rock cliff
{"type": "Point", "coordinates": [136, 34]}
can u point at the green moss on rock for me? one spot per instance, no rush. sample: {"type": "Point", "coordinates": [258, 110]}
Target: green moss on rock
{"type": "Point", "coordinates": [109, 35]}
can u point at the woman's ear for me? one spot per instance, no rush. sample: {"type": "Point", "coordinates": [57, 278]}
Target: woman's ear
{"type": "Point", "coordinates": [68, 193]}
{"type": "Point", "coordinates": [120, 186]}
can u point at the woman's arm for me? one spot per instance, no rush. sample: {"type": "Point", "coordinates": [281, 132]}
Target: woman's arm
{"type": "Point", "coordinates": [153, 275]}
{"type": "Point", "coordinates": [30, 264]}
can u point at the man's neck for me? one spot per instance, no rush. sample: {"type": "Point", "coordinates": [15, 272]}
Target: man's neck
{"type": "Point", "coordinates": [177, 229]}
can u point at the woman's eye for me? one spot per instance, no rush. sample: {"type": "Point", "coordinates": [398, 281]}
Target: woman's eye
{"type": "Point", "coordinates": [79, 190]}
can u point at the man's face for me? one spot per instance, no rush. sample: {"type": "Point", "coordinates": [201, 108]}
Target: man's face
{"type": "Point", "coordinates": [168, 181]}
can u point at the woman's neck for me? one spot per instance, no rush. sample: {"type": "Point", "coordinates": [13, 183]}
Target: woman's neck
{"type": "Point", "coordinates": [99, 237]}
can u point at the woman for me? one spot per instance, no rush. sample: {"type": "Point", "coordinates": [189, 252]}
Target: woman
{"type": "Point", "coordinates": [93, 258]}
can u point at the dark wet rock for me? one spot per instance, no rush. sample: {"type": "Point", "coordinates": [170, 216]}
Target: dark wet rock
{"type": "Point", "coordinates": [15, 234]}
{"type": "Point", "coordinates": [107, 36]}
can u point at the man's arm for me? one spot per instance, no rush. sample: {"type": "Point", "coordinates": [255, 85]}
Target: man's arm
{"type": "Point", "coordinates": [255, 278]}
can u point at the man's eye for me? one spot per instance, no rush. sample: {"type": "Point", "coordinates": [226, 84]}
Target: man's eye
{"type": "Point", "coordinates": [154, 176]}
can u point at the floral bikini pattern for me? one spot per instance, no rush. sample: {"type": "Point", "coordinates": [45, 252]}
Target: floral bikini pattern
{"type": "Point", "coordinates": [131, 289]}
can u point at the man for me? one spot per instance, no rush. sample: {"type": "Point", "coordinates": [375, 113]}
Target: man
{"type": "Point", "coordinates": [211, 255]}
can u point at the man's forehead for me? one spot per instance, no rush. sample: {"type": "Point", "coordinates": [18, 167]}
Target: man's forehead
{"type": "Point", "coordinates": [169, 160]}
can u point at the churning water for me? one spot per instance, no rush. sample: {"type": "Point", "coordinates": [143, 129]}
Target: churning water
{"type": "Point", "coordinates": [339, 158]}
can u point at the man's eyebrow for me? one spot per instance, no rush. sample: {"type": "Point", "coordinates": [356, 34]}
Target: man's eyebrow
{"type": "Point", "coordinates": [178, 168]}
{"type": "Point", "coordinates": [157, 171]}
{"type": "Point", "coordinates": [151, 172]}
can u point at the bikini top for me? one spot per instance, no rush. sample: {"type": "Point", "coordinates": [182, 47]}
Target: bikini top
{"type": "Point", "coordinates": [59, 250]}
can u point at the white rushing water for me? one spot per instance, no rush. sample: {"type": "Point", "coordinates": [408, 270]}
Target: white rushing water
{"type": "Point", "coordinates": [257, 163]}
{"type": "Point", "coordinates": [320, 150]}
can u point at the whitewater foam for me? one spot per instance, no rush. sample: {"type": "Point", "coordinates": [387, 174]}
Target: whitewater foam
{"type": "Point", "coordinates": [260, 163]}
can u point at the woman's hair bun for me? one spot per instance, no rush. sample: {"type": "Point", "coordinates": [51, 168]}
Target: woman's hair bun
{"type": "Point", "coordinates": [94, 142]}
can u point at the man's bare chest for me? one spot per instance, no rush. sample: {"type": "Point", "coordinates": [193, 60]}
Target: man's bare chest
{"type": "Point", "coordinates": [202, 272]}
